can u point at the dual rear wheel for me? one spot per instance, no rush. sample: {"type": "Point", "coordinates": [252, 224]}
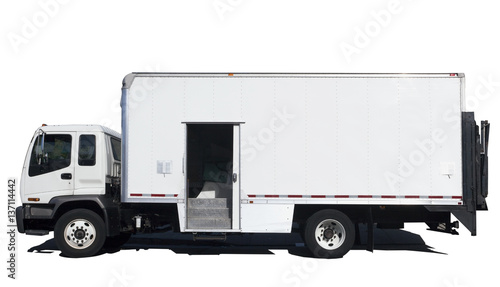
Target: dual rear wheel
{"type": "Point", "coordinates": [329, 234]}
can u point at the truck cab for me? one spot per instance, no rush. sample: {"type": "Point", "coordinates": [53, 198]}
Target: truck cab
{"type": "Point", "coordinates": [70, 166]}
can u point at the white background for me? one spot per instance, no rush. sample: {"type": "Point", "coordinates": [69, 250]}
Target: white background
{"type": "Point", "coordinates": [63, 62]}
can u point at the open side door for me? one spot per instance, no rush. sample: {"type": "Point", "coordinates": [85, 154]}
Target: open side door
{"type": "Point", "coordinates": [212, 177]}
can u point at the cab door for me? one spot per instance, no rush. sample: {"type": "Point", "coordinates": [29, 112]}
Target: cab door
{"type": "Point", "coordinates": [90, 174]}
{"type": "Point", "coordinates": [49, 167]}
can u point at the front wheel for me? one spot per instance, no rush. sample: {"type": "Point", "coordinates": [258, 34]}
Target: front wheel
{"type": "Point", "coordinates": [80, 233]}
{"type": "Point", "coordinates": [329, 234]}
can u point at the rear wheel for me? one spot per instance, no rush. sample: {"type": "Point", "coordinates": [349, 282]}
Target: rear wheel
{"type": "Point", "coordinates": [80, 233]}
{"type": "Point", "coordinates": [329, 234]}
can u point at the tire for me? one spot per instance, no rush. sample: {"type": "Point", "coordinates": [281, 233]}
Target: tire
{"type": "Point", "coordinates": [80, 233]}
{"type": "Point", "coordinates": [329, 234]}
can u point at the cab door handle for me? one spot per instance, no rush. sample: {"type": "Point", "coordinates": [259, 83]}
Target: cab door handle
{"type": "Point", "coordinates": [66, 176]}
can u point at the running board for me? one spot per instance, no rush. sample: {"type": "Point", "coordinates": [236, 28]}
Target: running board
{"type": "Point", "coordinates": [36, 232]}
{"type": "Point", "coordinates": [201, 237]}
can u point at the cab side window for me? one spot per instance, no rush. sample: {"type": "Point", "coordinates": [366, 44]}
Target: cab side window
{"type": "Point", "coordinates": [50, 153]}
{"type": "Point", "coordinates": [116, 147]}
{"type": "Point", "coordinates": [86, 150]}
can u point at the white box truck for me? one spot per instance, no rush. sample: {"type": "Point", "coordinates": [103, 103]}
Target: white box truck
{"type": "Point", "coordinates": [211, 154]}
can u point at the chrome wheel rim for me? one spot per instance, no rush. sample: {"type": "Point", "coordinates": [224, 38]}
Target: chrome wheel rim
{"type": "Point", "coordinates": [79, 233]}
{"type": "Point", "coordinates": [330, 234]}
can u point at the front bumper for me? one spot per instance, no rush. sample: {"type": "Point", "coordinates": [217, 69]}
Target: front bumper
{"type": "Point", "coordinates": [34, 219]}
{"type": "Point", "coordinates": [20, 219]}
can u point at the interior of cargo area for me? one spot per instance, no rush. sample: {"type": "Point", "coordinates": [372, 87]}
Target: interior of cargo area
{"type": "Point", "coordinates": [209, 175]}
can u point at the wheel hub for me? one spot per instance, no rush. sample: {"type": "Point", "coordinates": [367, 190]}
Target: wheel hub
{"type": "Point", "coordinates": [329, 234]}
{"type": "Point", "coordinates": [80, 233]}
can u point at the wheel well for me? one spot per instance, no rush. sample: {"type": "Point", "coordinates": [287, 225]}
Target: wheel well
{"type": "Point", "coordinates": [303, 212]}
{"type": "Point", "coordinates": [71, 205]}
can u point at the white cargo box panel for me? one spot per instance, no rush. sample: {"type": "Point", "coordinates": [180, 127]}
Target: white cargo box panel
{"type": "Point", "coordinates": [305, 138]}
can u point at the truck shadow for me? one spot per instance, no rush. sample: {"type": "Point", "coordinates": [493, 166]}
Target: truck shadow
{"type": "Point", "coordinates": [385, 239]}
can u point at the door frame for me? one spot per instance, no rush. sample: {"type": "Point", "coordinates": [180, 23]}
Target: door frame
{"type": "Point", "coordinates": [236, 186]}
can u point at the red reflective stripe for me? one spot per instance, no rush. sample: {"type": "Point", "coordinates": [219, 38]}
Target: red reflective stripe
{"type": "Point", "coordinates": [175, 195]}
{"type": "Point", "coordinates": [136, 194]}
{"type": "Point", "coordinates": [336, 196]}
{"type": "Point", "coordinates": [157, 195]}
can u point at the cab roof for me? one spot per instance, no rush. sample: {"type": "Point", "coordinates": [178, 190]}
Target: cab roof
{"type": "Point", "coordinates": [80, 128]}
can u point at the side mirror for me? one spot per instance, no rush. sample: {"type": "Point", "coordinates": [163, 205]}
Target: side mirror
{"type": "Point", "coordinates": [41, 157]}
